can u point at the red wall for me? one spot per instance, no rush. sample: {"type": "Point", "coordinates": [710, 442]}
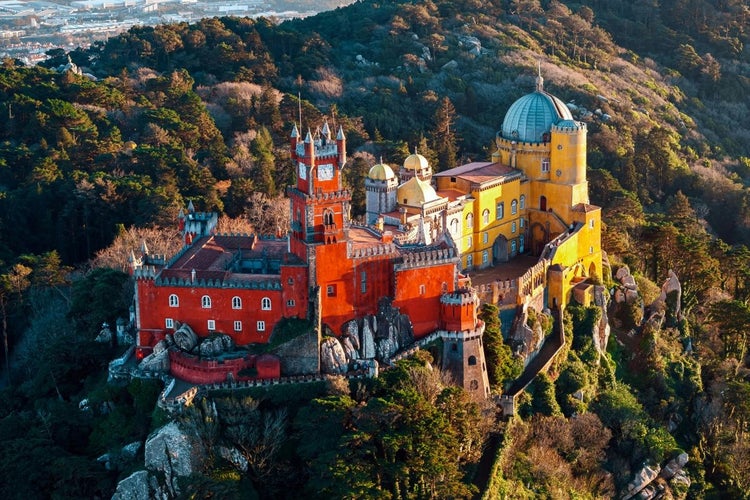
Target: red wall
{"type": "Point", "coordinates": [423, 309]}
{"type": "Point", "coordinates": [201, 371]}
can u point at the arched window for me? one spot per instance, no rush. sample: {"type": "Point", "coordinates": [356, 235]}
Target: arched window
{"type": "Point", "coordinates": [206, 302]}
{"type": "Point", "coordinates": [522, 202]}
{"type": "Point", "coordinates": [454, 226]}
{"type": "Point", "coordinates": [486, 216]}
{"type": "Point", "coordinates": [236, 303]}
{"type": "Point", "coordinates": [499, 210]}
{"type": "Point", "coordinates": [513, 247]}
{"type": "Point", "coordinates": [174, 301]}
{"type": "Point", "coordinates": [472, 360]}
{"type": "Point", "coordinates": [514, 207]}
{"type": "Point", "coordinates": [422, 289]}
{"type": "Point", "coordinates": [328, 218]}
{"type": "Point", "coordinates": [469, 221]}
{"type": "Point", "coordinates": [513, 227]}
{"type": "Point", "coordinates": [265, 304]}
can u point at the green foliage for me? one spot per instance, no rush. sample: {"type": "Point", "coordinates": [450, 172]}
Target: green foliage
{"type": "Point", "coordinates": [502, 366]}
{"type": "Point", "coordinates": [100, 297]}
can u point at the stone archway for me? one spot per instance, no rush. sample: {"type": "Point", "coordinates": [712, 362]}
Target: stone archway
{"type": "Point", "coordinates": [500, 249]}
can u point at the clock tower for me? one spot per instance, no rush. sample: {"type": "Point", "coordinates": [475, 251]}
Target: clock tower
{"type": "Point", "coordinates": [319, 202]}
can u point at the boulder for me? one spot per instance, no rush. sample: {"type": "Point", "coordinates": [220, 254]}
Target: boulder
{"type": "Point", "coordinates": [234, 457]}
{"type": "Point", "coordinates": [175, 453]}
{"type": "Point", "coordinates": [135, 487]}
{"type": "Point", "coordinates": [332, 357]}
{"type": "Point", "coordinates": [642, 478]}
{"type": "Point", "coordinates": [215, 345]}
{"type": "Point", "coordinates": [621, 273]}
{"type": "Point", "coordinates": [368, 340]}
{"type": "Point", "coordinates": [105, 334]}
{"type": "Point", "coordinates": [185, 338]}
{"type": "Point", "coordinates": [674, 466]}
{"type": "Point", "coordinates": [629, 282]}
{"type": "Point", "coordinates": [349, 349]}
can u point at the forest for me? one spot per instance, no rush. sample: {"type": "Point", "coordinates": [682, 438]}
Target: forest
{"type": "Point", "coordinates": [94, 161]}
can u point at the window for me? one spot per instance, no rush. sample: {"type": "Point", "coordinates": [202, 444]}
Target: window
{"type": "Point", "coordinates": [290, 303]}
{"type": "Point", "coordinates": [469, 221]}
{"type": "Point", "coordinates": [521, 222]}
{"type": "Point", "coordinates": [514, 207]}
{"type": "Point", "coordinates": [206, 302]}
{"type": "Point", "coordinates": [454, 226]}
{"type": "Point", "coordinates": [545, 165]}
{"type": "Point", "coordinates": [444, 287]}
{"type": "Point", "coordinates": [211, 325]}
{"type": "Point", "coordinates": [265, 304]}
{"type": "Point", "coordinates": [499, 210]}
{"type": "Point", "coordinates": [328, 217]}
{"type": "Point", "coordinates": [485, 237]}
{"type": "Point", "coordinates": [469, 261]}
{"type": "Point", "coordinates": [169, 323]}
{"type": "Point", "coordinates": [513, 247]}
{"type": "Point", "coordinates": [473, 385]}
{"type": "Point", "coordinates": [591, 223]}
{"type": "Point", "coordinates": [468, 242]}
{"type": "Point", "coordinates": [486, 216]}
{"type": "Point", "coordinates": [520, 244]}
{"type": "Point", "coordinates": [513, 227]}
{"type": "Point", "coordinates": [261, 326]}
{"type": "Point", "coordinates": [363, 282]}
{"type": "Point", "coordinates": [472, 360]}
{"type": "Point", "coordinates": [238, 326]}
{"type": "Point", "coordinates": [522, 202]}
{"type": "Point", "coordinates": [591, 249]}
{"type": "Point", "coordinates": [236, 303]}
{"type": "Point", "coordinates": [290, 281]}
{"type": "Point", "coordinates": [485, 257]}
{"type": "Point", "coordinates": [422, 289]}
{"type": "Point", "coordinates": [174, 301]}
{"type": "Point", "coordinates": [453, 179]}
{"type": "Point", "coordinates": [331, 290]}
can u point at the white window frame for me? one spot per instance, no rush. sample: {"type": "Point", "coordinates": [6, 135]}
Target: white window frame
{"type": "Point", "coordinates": [545, 165]}
{"type": "Point", "coordinates": [422, 289]}
{"type": "Point", "coordinates": [513, 227]}
{"type": "Point", "coordinates": [486, 216]}
{"type": "Point", "coordinates": [265, 304]}
{"type": "Point", "coordinates": [236, 302]}
{"type": "Point", "coordinates": [206, 302]}
{"type": "Point", "coordinates": [174, 300]}
{"type": "Point", "coordinates": [522, 202]}
{"type": "Point", "coordinates": [485, 237]}
{"type": "Point", "coordinates": [290, 303]}
{"type": "Point", "coordinates": [168, 322]}
{"type": "Point", "coordinates": [469, 221]}
{"type": "Point", "coordinates": [468, 241]}
{"type": "Point", "coordinates": [261, 326]}
{"type": "Point", "coordinates": [238, 326]}
{"type": "Point", "coordinates": [514, 207]}
{"type": "Point", "coordinates": [485, 257]}
{"type": "Point", "coordinates": [499, 210]}
{"type": "Point", "coordinates": [211, 325]}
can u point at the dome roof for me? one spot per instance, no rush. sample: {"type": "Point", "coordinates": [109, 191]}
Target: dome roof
{"type": "Point", "coordinates": [531, 116]}
{"type": "Point", "coordinates": [416, 192]}
{"type": "Point", "coordinates": [415, 161]}
{"type": "Point", "coordinates": [381, 172]}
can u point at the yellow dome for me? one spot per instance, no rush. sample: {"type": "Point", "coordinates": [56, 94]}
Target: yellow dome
{"type": "Point", "coordinates": [416, 162]}
{"type": "Point", "coordinates": [416, 192]}
{"type": "Point", "coordinates": [381, 172]}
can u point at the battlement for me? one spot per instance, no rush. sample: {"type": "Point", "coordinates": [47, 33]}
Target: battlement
{"type": "Point", "coordinates": [370, 251]}
{"type": "Point", "coordinates": [327, 150]}
{"type": "Point", "coordinates": [249, 284]}
{"type": "Point", "coordinates": [145, 273]}
{"type": "Point", "coordinates": [426, 258]}
{"type": "Point", "coordinates": [569, 127]}
{"type": "Point", "coordinates": [459, 297]}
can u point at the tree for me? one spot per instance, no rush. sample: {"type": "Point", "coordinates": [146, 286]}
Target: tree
{"type": "Point", "coordinates": [264, 167]}
{"type": "Point", "coordinates": [12, 285]}
{"type": "Point", "coordinates": [444, 140]}
{"type": "Point", "coordinates": [502, 366]}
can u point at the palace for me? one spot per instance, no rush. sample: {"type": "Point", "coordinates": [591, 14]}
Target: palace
{"type": "Point", "coordinates": [379, 288]}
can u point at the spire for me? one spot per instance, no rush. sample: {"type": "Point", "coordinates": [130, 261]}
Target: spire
{"type": "Point", "coordinates": [295, 132]}
{"type": "Point", "coordinates": [181, 214]}
{"type": "Point", "coordinates": [326, 130]}
{"type": "Point", "coordinates": [539, 79]}
{"type": "Point", "coordinates": [131, 259]}
{"type": "Point", "coordinates": [144, 248]}
{"type": "Point", "coordinates": [340, 134]}
{"type": "Point", "coordinates": [308, 137]}
{"type": "Point", "coordinates": [191, 207]}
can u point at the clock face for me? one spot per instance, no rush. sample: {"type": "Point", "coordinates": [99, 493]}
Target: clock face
{"type": "Point", "coordinates": [558, 172]}
{"type": "Point", "coordinates": [325, 171]}
{"type": "Point", "coordinates": [302, 171]}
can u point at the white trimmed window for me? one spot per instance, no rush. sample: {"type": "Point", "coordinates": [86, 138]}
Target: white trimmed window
{"type": "Point", "coordinates": [469, 260]}
{"type": "Point", "coordinates": [513, 227]}
{"type": "Point", "coordinates": [211, 325]}
{"type": "Point", "coordinates": [521, 222]}
{"type": "Point", "coordinates": [499, 210]}
{"type": "Point", "coordinates": [522, 202]}
{"type": "Point", "coordinates": [290, 303]}
{"type": "Point", "coordinates": [513, 247]}
{"type": "Point", "coordinates": [545, 165]}
{"type": "Point", "coordinates": [206, 302]}
{"type": "Point", "coordinates": [422, 289]}
{"type": "Point", "coordinates": [236, 303]}
{"type": "Point", "coordinates": [591, 223]}
{"type": "Point", "coordinates": [514, 207]}
{"type": "Point", "coordinates": [469, 221]}
{"type": "Point", "coordinates": [238, 326]}
{"type": "Point", "coordinates": [265, 304]}
{"type": "Point", "coordinates": [169, 323]}
{"type": "Point", "coordinates": [485, 257]}
{"type": "Point", "coordinates": [486, 216]}
{"type": "Point", "coordinates": [468, 242]}
{"type": "Point", "coordinates": [485, 237]}
{"type": "Point", "coordinates": [261, 326]}
{"type": "Point", "coordinates": [174, 301]}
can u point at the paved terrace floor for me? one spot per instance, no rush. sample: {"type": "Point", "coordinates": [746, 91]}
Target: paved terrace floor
{"type": "Point", "coordinates": [503, 271]}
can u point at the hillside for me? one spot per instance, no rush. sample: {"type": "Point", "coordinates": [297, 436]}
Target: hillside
{"type": "Point", "coordinates": [107, 149]}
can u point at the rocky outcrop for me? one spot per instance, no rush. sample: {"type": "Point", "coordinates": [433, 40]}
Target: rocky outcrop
{"type": "Point", "coordinates": [525, 341]}
{"type": "Point", "coordinates": [602, 329]}
{"type": "Point", "coordinates": [174, 453]}
{"type": "Point", "coordinates": [139, 485]}
{"type": "Point", "coordinates": [377, 337]}
{"type": "Point", "coordinates": [669, 299]}
{"type": "Point", "coordinates": [674, 466]}
{"type": "Point", "coordinates": [332, 357]}
{"type": "Point", "coordinates": [215, 345]}
{"type": "Point", "coordinates": [299, 356]}
{"type": "Point", "coordinates": [627, 308]}
{"type": "Point", "coordinates": [156, 362]}
{"type": "Point", "coordinates": [642, 478]}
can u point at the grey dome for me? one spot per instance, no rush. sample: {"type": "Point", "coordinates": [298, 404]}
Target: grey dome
{"type": "Point", "coordinates": [531, 116]}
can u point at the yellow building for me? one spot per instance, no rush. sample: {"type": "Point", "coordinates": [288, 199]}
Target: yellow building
{"type": "Point", "coordinates": [531, 198]}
